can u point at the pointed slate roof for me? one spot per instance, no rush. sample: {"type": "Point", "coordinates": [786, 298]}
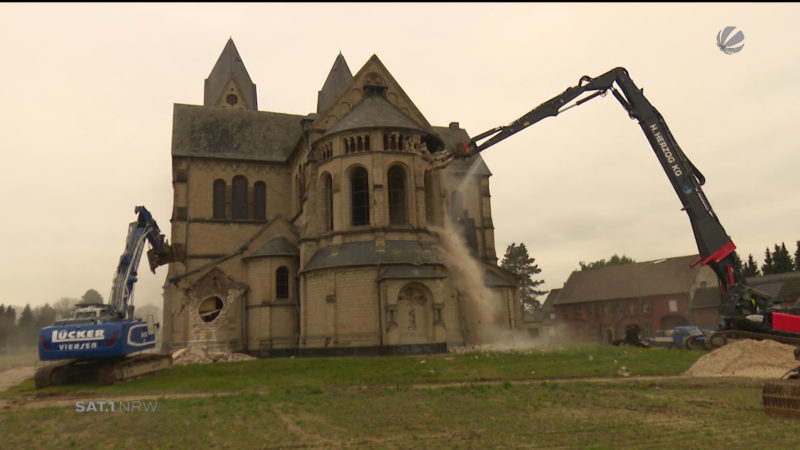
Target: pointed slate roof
{"type": "Point", "coordinates": [374, 111]}
{"type": "Point", "coordinates": [337, 79]}
{"type": "Point", "coordinates": [232, 133]}
{"type": "Point", "coordinates": [275, 246]}
{"type": "Point", "coordinates": [229, 66]}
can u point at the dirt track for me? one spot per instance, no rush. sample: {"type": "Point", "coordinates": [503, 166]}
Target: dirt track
{"type": "Point", "coordinates": [15, 376]}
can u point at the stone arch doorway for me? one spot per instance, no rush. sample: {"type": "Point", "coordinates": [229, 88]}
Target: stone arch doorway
{"type": "Point", "coordinates": [415, 314]}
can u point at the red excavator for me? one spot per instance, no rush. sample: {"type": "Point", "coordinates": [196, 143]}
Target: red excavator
{"type": "Point", "coordinates": [744, 311]}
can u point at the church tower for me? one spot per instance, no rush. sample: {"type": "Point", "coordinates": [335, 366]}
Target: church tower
{"type": "Point", "coordinates": [229, 85]}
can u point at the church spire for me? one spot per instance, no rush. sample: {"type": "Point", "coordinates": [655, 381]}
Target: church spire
{"type": "Point", "coordinates": [337, 79]}
{"type": "Point", "coordinates": [229, 85]}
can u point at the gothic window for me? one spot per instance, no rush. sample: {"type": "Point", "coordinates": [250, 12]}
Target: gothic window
{"type": "Point", "coordinates": [327, 183]}
{"type": "Point", "coordinates": [282, 283]}
{"type": "Point", "coordinates": [397, 195]}
{"type": "Point", "coordinates": [260, 201]}
{"type": "Point", "coordinates": [239, 210]}
{"type": "Point", "coordinates": [219, 199]}
{"type": "Point", "coordinates": [359, 196]}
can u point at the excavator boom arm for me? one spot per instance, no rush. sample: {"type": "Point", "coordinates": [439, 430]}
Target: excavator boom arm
{"type": "Point", "coordinates": [714, 245]}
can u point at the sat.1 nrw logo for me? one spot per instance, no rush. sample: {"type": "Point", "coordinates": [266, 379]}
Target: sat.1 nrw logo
{"type": "Point", "coordinates": [730, 44]}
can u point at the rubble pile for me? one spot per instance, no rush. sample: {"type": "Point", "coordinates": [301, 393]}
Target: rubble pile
{"type": "Point", "coordinates": [202, 355]}
{"type": "Point", "coordinates": [746, 358]}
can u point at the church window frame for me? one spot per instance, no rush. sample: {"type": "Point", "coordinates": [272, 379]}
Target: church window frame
{"type": "Point", "coordinates": [327, 198]}
{"type": "Point", "coordinates": [218, 196]}
{"type": "Point", "coordinates": [359, 196]}
{"type": "Point", "coordinates": [260, 201]}
{"type": "Point", "coordinates": [282, 283]}
{"type": "Point", "coordinates": [239, 198]}
{"type": "Point", "coordinates": [397, 198]}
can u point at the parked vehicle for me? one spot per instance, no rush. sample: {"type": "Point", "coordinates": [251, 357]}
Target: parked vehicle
{"type": "Point", "coordinates": [688, 336]}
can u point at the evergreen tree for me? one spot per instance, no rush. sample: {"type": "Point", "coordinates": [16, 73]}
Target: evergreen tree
{"type": "Point", "coordinates": [781, 260]}
{"type": "Point", "coordinates": [750, 267]}
{"type": "Point", "coordinates": [45, 316]}
{"type": "Point", "coordinates": [797, 257]}
{"type": "Point", "coordinates": [768, 267]}
{"type": "Point", "coordinates": [7, 318]}
{"type": "Point", "coordinates": [26, 327]}
{"type": "Point", "coordinates": [738, 267]}
{"type": "Point", "coordinates": [518, 262]}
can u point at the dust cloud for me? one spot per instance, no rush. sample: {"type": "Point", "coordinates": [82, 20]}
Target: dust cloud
{"type": "Point", "coordinates": [482, 312]}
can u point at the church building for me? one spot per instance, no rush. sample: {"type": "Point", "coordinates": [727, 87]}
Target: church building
{"type": "Point", "coordinates": [325, 233]}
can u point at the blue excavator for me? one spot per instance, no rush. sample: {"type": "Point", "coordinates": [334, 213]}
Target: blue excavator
{"type": "Point", "coordinates": [102, 342]}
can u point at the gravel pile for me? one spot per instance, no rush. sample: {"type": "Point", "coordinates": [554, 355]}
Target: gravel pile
{"type": "Point", "coordinates": [746, 358]}
{"type": "Point", "coordinates": [200, 355]}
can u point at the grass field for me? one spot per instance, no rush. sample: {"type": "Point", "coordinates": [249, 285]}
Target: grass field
{"type": "Point", "coordinates": [573, 397]}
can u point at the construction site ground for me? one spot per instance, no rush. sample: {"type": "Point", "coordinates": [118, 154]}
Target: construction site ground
{"type": "Point", "coordinates": [594, 397]}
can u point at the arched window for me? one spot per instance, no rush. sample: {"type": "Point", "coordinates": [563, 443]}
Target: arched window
{"type": "Point", "coordinates": [218, 208]}
{"type": "Point", "coordinates": [386, 142]}
{"type": "Point", "coordinates": [366, 142]}
{"type": "Point", "coordinates": [360, 144]}
{"type": "Point", "coordinates": [397, 195]}
{"type": "Point", "coordinates": [282, 283]}
{"type": "Point", "coordinates": [239, 210]}
{"type": "Point", "coordinates": [359, 196]}
{"type": "Point", "coordinates": [327, 197]}
{"type": "Point", "coordinates": [260, 201]}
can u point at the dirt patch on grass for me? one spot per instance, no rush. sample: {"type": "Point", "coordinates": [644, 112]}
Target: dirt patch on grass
{"type": "Point", "coordinates": [746, 358]}
{"type": "Point", "coordinates": [12, 377]}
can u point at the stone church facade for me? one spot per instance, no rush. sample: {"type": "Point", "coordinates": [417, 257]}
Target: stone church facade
{"type": "Point", "coordinates": [321, 234]}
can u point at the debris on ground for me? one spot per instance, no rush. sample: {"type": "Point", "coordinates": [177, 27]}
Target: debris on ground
{"type": "Point", "coordinates": [746, 358]}
{"type": "Point", "coordinates": [203, 355]}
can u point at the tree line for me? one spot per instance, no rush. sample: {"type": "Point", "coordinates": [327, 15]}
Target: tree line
{"type": "Point", "coordinates": [22, 329]}
{"type": "Point", "coordinates": [777, 260]}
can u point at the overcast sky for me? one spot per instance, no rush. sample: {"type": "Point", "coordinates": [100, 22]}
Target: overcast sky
{"type": "Point", "coordinates": [87, 95]}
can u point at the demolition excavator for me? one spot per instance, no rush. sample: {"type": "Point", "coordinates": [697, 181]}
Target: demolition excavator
{"type": "Point", "coordinates": [102, 342]}
{"type": "Point", "coordinates": [744, 311]}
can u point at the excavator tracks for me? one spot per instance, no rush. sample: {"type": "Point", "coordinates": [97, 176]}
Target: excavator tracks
{"type": "Point", "coordinates": [102, 371]}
